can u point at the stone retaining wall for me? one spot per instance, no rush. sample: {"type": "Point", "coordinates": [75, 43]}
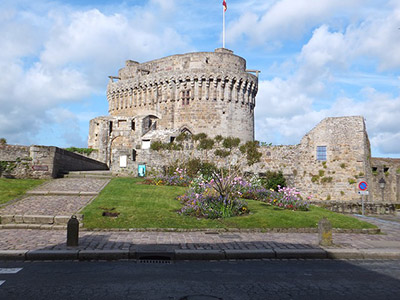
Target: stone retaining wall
{"type": "Point", "coordinates": [42, 162]}
{"type": "Point", "coordinates": [356, 207]}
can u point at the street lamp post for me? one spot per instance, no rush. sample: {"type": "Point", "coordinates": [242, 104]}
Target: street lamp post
{"type": "Point", "coordinates": [382, 184]}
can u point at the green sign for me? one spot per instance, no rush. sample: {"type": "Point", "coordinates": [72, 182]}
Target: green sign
{"type": "Point", "coordinates": [142, 170]}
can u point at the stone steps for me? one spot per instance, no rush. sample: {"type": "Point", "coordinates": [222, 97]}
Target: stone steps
{"type": "Point", "coordinates": [36, 221]}
{"type": "Point", "coordinates": [89, 174]}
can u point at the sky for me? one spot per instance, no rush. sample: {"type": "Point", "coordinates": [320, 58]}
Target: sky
{"type": "Point", "coordinates": [318, 59]}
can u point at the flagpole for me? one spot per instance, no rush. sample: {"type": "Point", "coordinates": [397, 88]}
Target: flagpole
{"type": "Point", "coordinates": [223, 26]}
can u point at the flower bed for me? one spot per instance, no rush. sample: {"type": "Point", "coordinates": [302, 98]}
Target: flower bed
{"type": "Point", "coordinates": [222, 196]}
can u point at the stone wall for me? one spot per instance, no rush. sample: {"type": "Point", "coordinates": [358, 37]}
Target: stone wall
{"type": "Point", "coordinates": [42, 162]}
{"type": "Point", "coordinates": [387, 169]}
{"type": "Point", "coordinates": [333, 179]}
{"type": "Point", "coordinates": [65, 161]}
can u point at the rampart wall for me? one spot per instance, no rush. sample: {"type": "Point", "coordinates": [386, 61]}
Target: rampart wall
{"type": "Point", "coordinates": [331, 178]}
{"type": "Point", "coordinates": [42, 162]}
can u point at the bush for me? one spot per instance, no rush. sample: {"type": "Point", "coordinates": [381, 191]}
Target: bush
{"type": "Point", "coordinates": [230, 142]}
{"type": "Point", "coordinates": [182, 137]}
{"type": "Point", "coordinates": [251, 150]}
{"type": "Point", "coordinates": [222, 153]}
{"type": "Point", "coordinates": [157, 145]}
{"type": "Point", "coordinates": [199, 136]}
{"type": "Point", "coordinates": [218, 138]}
{"type": "Point", "coordinates": [80, 150]}
{"type": "Point", "coordinates": [272, 180]}
{"type": "Point", "coordinates": [206, 144]}
{"type": "Point", "coordinates": [3, 141]}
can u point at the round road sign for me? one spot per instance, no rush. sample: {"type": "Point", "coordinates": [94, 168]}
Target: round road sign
{"type": "Point", "coordinates": [363, 186]}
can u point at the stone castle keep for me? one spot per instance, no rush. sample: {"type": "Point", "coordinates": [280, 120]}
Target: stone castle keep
{"type": "Point", "coordinates": [203, 92]}
{"type": "Point", "coordinates": [214, 93]}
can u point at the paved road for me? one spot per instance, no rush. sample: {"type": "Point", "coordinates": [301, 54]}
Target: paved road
{"type": "Point", "coordinates": [267, 279]}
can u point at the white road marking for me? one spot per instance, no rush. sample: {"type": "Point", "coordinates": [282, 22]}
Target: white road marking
{"type": "Point", "coordinates": [9, 270]}
{"type": "Point", "coordinates": [2, 281]}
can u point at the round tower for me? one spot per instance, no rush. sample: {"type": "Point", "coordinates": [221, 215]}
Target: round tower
{"type": "Point", "coordinates": [210, 92]}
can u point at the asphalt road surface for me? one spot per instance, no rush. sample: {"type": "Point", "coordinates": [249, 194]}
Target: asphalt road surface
{"type": "Point", "coordinates": [241, 280]}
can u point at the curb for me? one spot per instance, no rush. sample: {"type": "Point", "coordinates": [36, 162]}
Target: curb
{"type": "Point", "coordinates": [7, 219]}
{"type": "Point", "coordinates": [179, 255]}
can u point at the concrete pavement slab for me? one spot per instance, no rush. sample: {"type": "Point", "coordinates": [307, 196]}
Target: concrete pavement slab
{"type": "Point", "coordinates": [344, 253]}
{"type": "Point", "coordinates": [13, 254]}
{"type": "Point", "coordinates": [52, 255]}
{"type": "Point", "coordinates": [199, 255]}
{"type": "Point", "coordinates": [103, 254]}
{"type": "Point", "coordinates": [300, 253]}
{"type": "Point", "coordinates": [249, 254]}
{"type": "Point", "coordinates": [380, 253]}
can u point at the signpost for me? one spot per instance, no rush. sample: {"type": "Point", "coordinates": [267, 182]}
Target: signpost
{"type": "Point", "coordinates": [363, 186]}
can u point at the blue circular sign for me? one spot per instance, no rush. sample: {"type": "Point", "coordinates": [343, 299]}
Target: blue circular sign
{"type": "Point", "coordinates": [362, 185]}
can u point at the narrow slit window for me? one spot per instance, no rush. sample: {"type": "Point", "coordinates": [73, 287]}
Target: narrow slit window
{"type": "Point", "coordinates": [321, 153]}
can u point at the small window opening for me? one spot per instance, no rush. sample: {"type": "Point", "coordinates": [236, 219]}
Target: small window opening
{"type": "Point", "coordinates": [110, 127]}
{"type": "Point", "coordinates": [186, 97]}
{"type": "Point", "coordinates": [133, 155]}
{"type": "Point", "coordinates": [385, 169]}
{"type": "Point", "coordinates": [171, 139]}
{"type": "Point", "coordinates": [133, 125]}
{"type": "Point", "coordinates": [321, 153]}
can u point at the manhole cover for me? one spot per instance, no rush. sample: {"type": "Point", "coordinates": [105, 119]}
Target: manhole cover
{"type": "Point", "coordinates": [200, 297]}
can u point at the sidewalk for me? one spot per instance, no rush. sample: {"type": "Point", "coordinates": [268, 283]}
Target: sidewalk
{"type": "Point", "coordinates": [35, 244]}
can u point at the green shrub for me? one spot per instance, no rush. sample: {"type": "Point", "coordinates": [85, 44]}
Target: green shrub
{"type": "Point", "coordinates": [321, 173]}
{"type": "Point", "coordinates": [231, 142]}
{"type": "Point", "coordinates": [343, 165]}
{"type": "Point", "coordinates": [157, 145]}
{"type": "Point", "coordinates": [206, 144]}
{"type": "Point", "coordinates": [252, 154]}
{"type": "Point", "coordinates": [3, 141]}
{"type": "Point", "coordinates": [326, 179]}
{"type": "Point", "coordinates": [271, 180]}
{"type": "Point", "coordinates": [398, 171]}
{"type": "Point", "coordinates": [218, 138]}
{"type": "Point", "coordinates": [80, 150]}
{"type": "Point", "coordinates": [315, 179]}
{"type": "Point", "coordinates": [351, 181]}
{"type": "Point", "coordinates": [222, 153]}
{"type": "Point", "coordinates": [182, 137]}
{"type": "Point", "coordinates": [199, 136]}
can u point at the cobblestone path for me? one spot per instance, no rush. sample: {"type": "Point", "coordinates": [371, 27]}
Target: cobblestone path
{"type": "Point", "coordinates": [52, 197]}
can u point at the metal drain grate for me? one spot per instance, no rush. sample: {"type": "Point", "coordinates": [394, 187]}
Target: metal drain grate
{"type": "Point", "coordinates": [154, 261]}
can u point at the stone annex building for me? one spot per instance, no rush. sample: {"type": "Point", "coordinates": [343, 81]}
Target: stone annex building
{"type": "Point", "coordinates": [214, 93]}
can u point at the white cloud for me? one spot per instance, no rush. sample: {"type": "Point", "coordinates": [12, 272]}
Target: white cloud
{"type": "Point", "coordinates": [288, 107]}
{"type": "Point", "coordinates": [286, 19]}
{"type": "Point", "coordinates": [54, 55]}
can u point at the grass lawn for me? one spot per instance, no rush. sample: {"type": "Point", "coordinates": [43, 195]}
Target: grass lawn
{"type": "Point", "coordinates": [147, 206]}
{"type": "Point", "coordinates": [13, 188]}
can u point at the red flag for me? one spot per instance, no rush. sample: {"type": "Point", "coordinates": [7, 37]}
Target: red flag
{"type": "Point", "coordinates": [224, 5]}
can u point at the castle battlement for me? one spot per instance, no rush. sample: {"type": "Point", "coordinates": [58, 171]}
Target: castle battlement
{"type": "Point", "coordinates": [208, 92]}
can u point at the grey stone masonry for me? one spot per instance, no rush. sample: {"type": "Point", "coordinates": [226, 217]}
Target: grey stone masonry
{"type": "Point", "coordinates": [42, 162]}
{"type": "Point", "coordinates": [202, 92]}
